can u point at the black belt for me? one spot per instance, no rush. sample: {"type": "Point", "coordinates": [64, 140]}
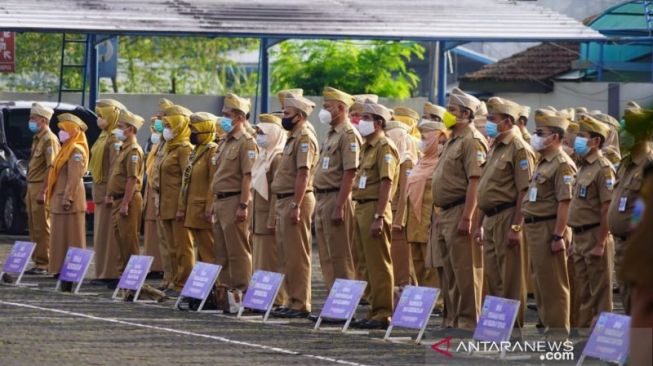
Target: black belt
{"type": "Point", "coordinates": [328, 190]}
{"type": "Point", "coordinates": [584, 228]}
{"type": "Point", "coordinates": [453, 204]}
{"type": "Point", "coordinates": [366, 200]}
{"type": "Point", "coordinates": [281, 196]}
{"type": "Point", "coordinates": [222, 195]}
{"type": "Point", "coordinates": [534, 219]}
{"type": "Point", "coordinates": [118, 196]}
{"type": "Point", "coordinates": [495, 210]}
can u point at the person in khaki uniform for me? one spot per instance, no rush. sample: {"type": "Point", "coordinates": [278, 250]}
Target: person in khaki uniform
{"type": "Point", "coordinates": [375, 184]}
{"type": "Point", "coordinates": [501, 190]}
{"type": "Point", "coordinates": [124, 188]}
{"type": "Point", "coordinates": [420, 201]}
{"type": "Point", "coordinates": [271, 138]}
{"type": "Point", "coordinates": [152, 236]}
{"type": "Point", "coordinates": [65, 192]}
{"type": "Point", "coordinates": [592, 245]}
{"type": "Point", "coordinates": [635, 143]}
{"type": "Point", "coordinates": [610, 148]}
{"type": "Point", "coordinates": [177, 238]}
{"type": "Point", "coordinates": [334, 181]}
{"type": "Point", "coordinates": [45, 147]}
{"type": "Point", "coordinates": [546, 212]}
{"type": "Point", "coordinates": [231, 186]}
{"type": "Point", "coordinates": [455, 184]}
{"type": "Point", "coordinates": [293, 187]}
{"type": "Point", "coordinates": [196, 201]}
{"type": "Point", "coordinates": [399, 132]}
{"type": "Point", "coordinates": [103, 154]}
{"type": "Point", "coordinates": [522, 122]}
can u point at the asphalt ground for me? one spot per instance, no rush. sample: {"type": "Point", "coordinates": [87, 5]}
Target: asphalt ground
{"type": "Point", "coordinates": [41, 327]}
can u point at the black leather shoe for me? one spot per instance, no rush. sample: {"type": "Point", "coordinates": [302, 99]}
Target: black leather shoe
{"type": "Point", "coordinates": [363, 302]}
{"type": "Point", "coordinates": [295, 314]}
{"type": "Point", "coordinates": [358, 323]}
{"type": "Point", "coordinates": [66, 286]}
{"type": "Point", "coordinates": [112, 284]}
{"type": "Point", "coordinates": [279, 312]}
{"type": "Point", "coordinates": [36, 271]}
{"type": "Point", "coordinates": [373, 324]}
{"type": "Point", "coordinates": [155, 275]}
{"type": "Point", "coordinates": [532, 307]}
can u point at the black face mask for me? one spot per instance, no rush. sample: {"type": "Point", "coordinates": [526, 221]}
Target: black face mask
{"type": "Point", "coordinates": [193, 138]}
{"type": "Point", "coordinates": [287, 123]}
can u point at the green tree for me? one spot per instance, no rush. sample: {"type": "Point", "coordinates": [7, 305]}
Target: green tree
{"type": "Point", "coordinates": [377, 67]}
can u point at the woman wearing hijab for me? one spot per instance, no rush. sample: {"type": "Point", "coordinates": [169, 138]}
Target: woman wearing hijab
{"type": "Point", "coordinates": [103, 153]}
{"type": "Point", "coordinates": [177, 238]}
{"type": "Point", "coordinates": [65, 194]}
{"type": "Point", "coordinates": [398, 132]}
{"type": "Point", "coordinates": [196, 200]}
{"type": "Point", "coordinates": [271, 139]}
{"type": "Point", "coordinates": [420, 200]}
{"type": "Point", "coordinates": [150, 232]}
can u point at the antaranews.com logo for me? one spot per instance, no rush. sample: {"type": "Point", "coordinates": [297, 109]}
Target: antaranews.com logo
{"type": "Point", "coordinates": [540, 350]}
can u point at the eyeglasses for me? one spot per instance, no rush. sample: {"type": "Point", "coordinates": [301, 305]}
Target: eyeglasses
{"type": "Point", "coordinates": [541, 133]}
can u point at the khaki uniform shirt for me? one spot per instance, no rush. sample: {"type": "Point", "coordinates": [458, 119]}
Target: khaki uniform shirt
{"type": "Point", "coordinates": [196, 198]}
{"type": "Point", "coordinates": [234, 158]}
{"type": "Point", "coordinates": [508, 171]}
{"type": "Point", "coordinates": [172, 168]}
{"type": "Point", "coordinates": [594, 185]}
{"type": "Point", "coordinates": [264, 214]}
{"type": "Point", "coordinates": [111, 150]}
{"type": "Point", "coordinates": [552, 182]}
{"type": "Point", "coordinates": [45, 148]}
{"type": "Point", "coordinates": [379, 160]}
{"type": "Point", "coordinates": [462, 158]}
{"type": "Point", "coordinates": [70, 186]}
{"type": "Point", "coordinates": [300, 152]}
{"type": "Point", "coordinates": [630, 178]}
{"type": "Point", "coordinates": [339, 152]}
{"type": "Point", "coordinates": [129, 164]}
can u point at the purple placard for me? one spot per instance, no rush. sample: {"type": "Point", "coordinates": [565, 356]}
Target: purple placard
{"type": "Point", "coordinates": [75, 264]}
{"type": "Point", "coordinates": [414, 307]}
{"type": "Point", "coordinates": [610, 338]}
{"type": "Point", "coordinates": [497, 319]}
{"type": "Point", "coordinates": [201, 280]}
{"type": "Point", "coordinates": [262, 290]}
{"type": "Point", "coordinates": [135, 272]}
{"type": "Point", "coordinates": [343, 299]}
{"type": "Point", "coordinates": [19, 257]}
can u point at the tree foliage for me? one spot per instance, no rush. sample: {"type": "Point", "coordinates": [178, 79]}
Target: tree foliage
{"type": "Point", "coordinates": [377, 67]}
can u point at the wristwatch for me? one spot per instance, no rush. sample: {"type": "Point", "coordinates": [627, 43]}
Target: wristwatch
{"type": "Point", "coordinates": [556, 237]}
{"type": "Point", "coordinates": [293, 205]}
{"type": "Point", "coordinates": [377, 216]}
{"type": "Point", "coordinates": [243, 205]}
{"type": "Point", "coordinates": [515, 228]}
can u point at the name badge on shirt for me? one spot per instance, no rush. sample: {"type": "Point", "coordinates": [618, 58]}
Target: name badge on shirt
{"type": "Point", "coordinates": [582, 192]}
{"type": "Point", "coordinates": [622, 204]}
{"type": "Point", "coordinates": [362, 183]}
{"type": "Point", "coordinates": [325, 162]}
{"type": "Point", "coordinates": [532, 194]}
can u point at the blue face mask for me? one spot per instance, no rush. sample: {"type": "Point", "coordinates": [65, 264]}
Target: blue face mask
{"type": "Point", "coordinates": [226, 124]}
{"type": "Point", "coordinates": [33, 126]}
{"type": "Point", "coordinates": [580, 146]}
{"type": "Point", "coordinates": [158, 125]}
{"type": "Point", "coordinates": [491, 129]}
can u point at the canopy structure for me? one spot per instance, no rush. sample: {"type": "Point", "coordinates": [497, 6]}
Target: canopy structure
{"type": "Point", "coordinates": [449, 23]}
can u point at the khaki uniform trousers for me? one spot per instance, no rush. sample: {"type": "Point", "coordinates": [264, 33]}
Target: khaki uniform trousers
{"type": "Point", "coordinates": [205, 245]}
{"type": "Point", "coordinates": [625, 289]}
{"type": "Point", "coordinates": [593, 277]}
{"type": "Point", "coordinates": [463, 269]}
{"type": "Point", "coordinates": [167, 255]}
{"type": "Point", "coordinates": [265, 257]}
{"type": "Point", "coordinates": [294, 244]}
{"type": "Point", "coordinates": [574, 306]}
{"type": "Point", "coordinates": [550, 278]}
{"type": "Point", "coordinates": [401, 258]}
{"type": "Point", "coordinates": [126, 229]}
{"type": "Point", "coordinates": [150, 233]}
{"type": "Point", "coordinates": [107, 253]}
{"type": "Point", "coordinates": [334, 240]}
{"type": "Point", "coordinates": [179, 243]}
{"type": "Point", "coordinates": [68, 230]}
{"type": "Point", "coordinates": [232, 247]}
{"type": "Point", "coordinates": [378, 260]}
{"type": "Point", "coordinates": [38, 222]}
{"type": "Point", "coordinates": [422, 275]}
{"type": "Point", "coordinates": [433, 260]}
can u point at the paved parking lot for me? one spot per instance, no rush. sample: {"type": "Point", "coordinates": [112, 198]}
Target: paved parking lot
{"type": "Point", "coordinates": [41, 327]}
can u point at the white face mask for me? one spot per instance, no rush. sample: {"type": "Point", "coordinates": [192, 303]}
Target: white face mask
{"type": "Point", "coordinates": [365, 127]}
{"type": "Point", "coordinates": [325, 116]}
{"type": "Point", "coordinates": [168, 134]}
{"type": "Point", "coordinates": [423, 121]}
{"type": "Point", "coordinates": [63, 136]}
{"type": "Point", "coordinates": [262, 141]}
{"type": "Point", "coordinates": [155, 138]}
{"type": "Point", "coordinates": [537, 142]}
{"type": "Point", "coordinates": [120, 134]}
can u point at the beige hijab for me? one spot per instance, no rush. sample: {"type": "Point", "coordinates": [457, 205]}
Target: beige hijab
{"type": "Point", "coordinates": [276, 142]}
{"type": "Point", "coordinates": [405, 143]}
{"type": "Point", "coordinates": [421, 173]}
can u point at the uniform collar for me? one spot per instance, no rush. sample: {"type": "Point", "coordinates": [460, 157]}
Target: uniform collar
{"type": "Point", "coordinates": [42, 133]}
{"type": "Point", "coordinates": [591, 158]}
{"type": "Point", "coordinates": [237, 135]}
{"type": "Point", "coordinates": [374, 141]}
{"type": "Point", "coordinates": [550, 155]}
{"type": "Point", "coordinates": [339, 128]}
{"type": "Point", "coordinates": [508, 137]}
{"type": "Point", "coordinates": [466, 130]}
{"type": "Point", "coordinates": [129, 142]}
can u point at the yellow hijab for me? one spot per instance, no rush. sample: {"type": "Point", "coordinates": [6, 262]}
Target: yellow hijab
{"type": "Point", "coordinates": [110, 114]}
{"type": "Point", "coordinates": [179, 125]}
{"type": "Point", "coordinates": [79, 141]}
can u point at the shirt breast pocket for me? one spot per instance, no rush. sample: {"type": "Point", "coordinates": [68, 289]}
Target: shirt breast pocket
{"type": "Point", "coordinates": [634, 184]}
{"type": "Point", "coordinates": [232, 154]}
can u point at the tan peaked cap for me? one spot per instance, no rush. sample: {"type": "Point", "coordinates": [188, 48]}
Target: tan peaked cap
{"type": "Point", "coordinates": [462, 99]}
{"type": "Point", "coordinates": [130, 118]}
{"type": "Point", "coordinates": [497, 105]}
{"type": "Point", "coordinates": [41, 110]}
{"type": "Point", "coordinates": [232, 101]}
{"type": "Point", "coordinates": [333, 94]}
{"type": "Point", "coordinates": [377, 109]}
{"type": "Point", "coordinates": [299, 102]}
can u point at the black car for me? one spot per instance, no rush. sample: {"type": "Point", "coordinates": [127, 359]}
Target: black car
{"type": "Point", "coordinates": [15, 148]}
